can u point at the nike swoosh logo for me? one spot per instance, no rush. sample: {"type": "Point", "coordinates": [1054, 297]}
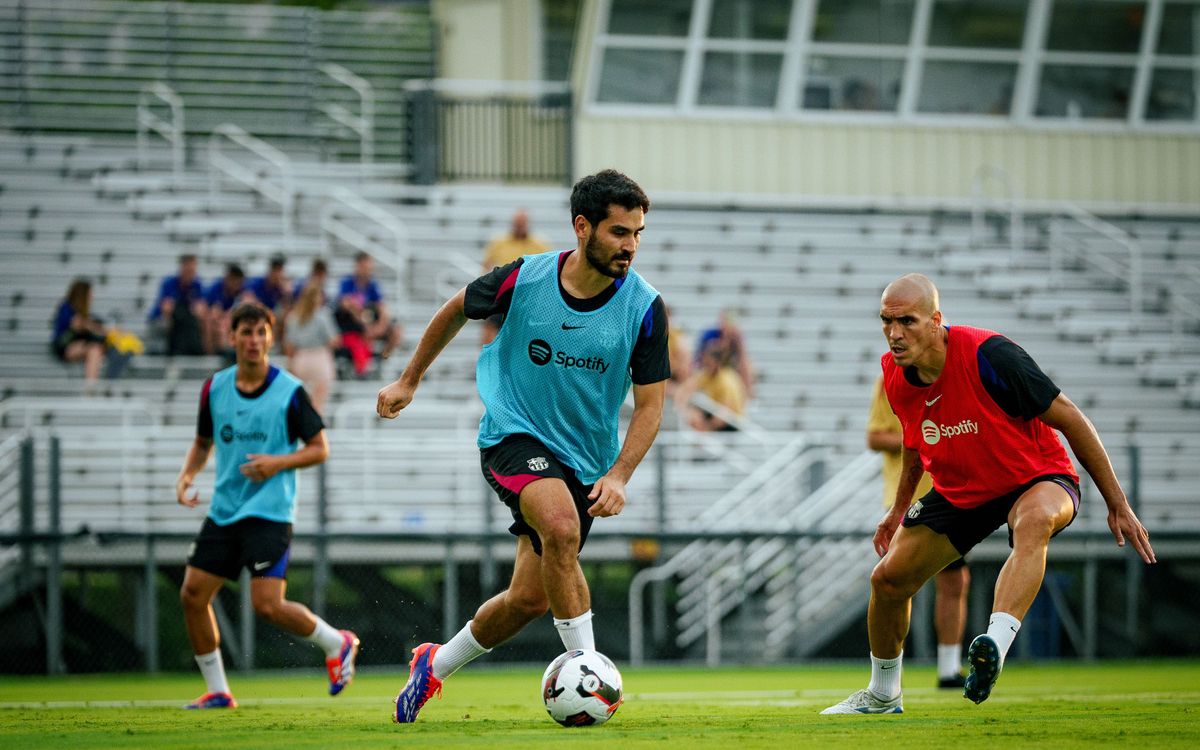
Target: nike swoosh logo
{"type": "Point", "coordinates": [262, 566]}
{"type": "Point", "coordinates": [931, 403]}
{"type": "Point", "coordinates": [891, 667]}
{"type": "Point", "coordinates": [566, 327]}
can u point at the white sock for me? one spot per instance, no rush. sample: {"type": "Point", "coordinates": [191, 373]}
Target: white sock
{"type": "Point", "coordinates": [1002, 628]}
{"type": "Point", "coordinates": [213, 669]}
{"type": "Point", "coordinates": [577, 631]}
{"type": "Point", "coordinates": [949, 659]}
{"type": "Point", "coordinates": [457, 652]}
{"type": "Point", "coordinates": [328, 638]}
{"type": "Point", "coordinates": [885, 677]}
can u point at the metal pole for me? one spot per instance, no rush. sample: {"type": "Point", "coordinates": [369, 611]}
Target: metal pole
{"type": "Point", "coordinates": [1133, 563]}
{"type": "Point", "coordinates": [54, 598]}
{"type": "Point", "coordinates": [450, 623]}
{"type": "Point", "coordinates": [658, 589]}
{"type": "Point", "coordinates": [1091, 578]}
{"type": "Point", "coordinates": [488, 574]}
{"type": "Point", "coordinates": [150, 592]}
{"type": "Point", "coordinates": [321, 552]}
{"type": "Point", "coordinates": [247, 624]}
{"type": "Point", "coordinates": [26, 511]}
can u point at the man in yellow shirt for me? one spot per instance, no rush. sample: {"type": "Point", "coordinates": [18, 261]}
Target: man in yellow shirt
{"type": "Point", "coordinates": [950, 604]}
{"type": "Point", "coordinates": [504, 250]}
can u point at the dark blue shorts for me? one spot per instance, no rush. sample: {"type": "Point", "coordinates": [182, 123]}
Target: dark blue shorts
{"type": "Point", "coordinates": [516, 461]}
{"type": "Point", "coordinates": [967, 527]}
{"type": "Point", "coordinates": [261, 546]}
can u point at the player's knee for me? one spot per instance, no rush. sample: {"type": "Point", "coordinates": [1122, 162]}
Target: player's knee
{"type": "Point", "coordinates": [191, 598]}
{"type": "Point", "coordinates": [560, 536]}
{"type": "Point", "coordinates": [1034, 526]}
{"type": "Point", "coordinates": [886, 584]}
{"type": "Point", "coordinates": [952, 583]}
{"type": "Point", "coordinates": [267, 609]}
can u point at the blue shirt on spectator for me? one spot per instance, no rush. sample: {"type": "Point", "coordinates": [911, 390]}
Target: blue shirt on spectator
{"type": "Point", "coordinates": [171, 288]}
{"type": "Point", "coordinates": [62, 319]}
{"type": "Point", "coordinates": [369, 291]}
{"type": "Point", "coordinates": [268, 295]}
{"type": "Point", "coordinates": [218, 296]}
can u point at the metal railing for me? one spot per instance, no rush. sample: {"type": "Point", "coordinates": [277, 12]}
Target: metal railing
{"type": "Point", "coordinates": [364, 122]}
{"type": "Point", "coordinates": [350, 218]}
{"type": "Point", "coordinates": [275, 183]}
{"type": "Point", "coordinates": [490, 130]}
{"type": "Point", "coordinates": [1124, 266]}
{"type": "Point", "coordinates": [172, 130]}
{"type": "Point", "coordinates": [1010, 204]}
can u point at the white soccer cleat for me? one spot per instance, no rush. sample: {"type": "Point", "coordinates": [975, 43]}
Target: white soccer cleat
{"type": "Point", "coordinates": [865, 702]}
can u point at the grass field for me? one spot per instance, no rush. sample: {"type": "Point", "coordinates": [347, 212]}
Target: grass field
{"type": "Point", "coordinates": [1064, 705]}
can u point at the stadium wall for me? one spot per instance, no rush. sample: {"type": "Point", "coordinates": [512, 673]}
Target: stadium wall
{"type": "Point", "coordinates": [863, 161]}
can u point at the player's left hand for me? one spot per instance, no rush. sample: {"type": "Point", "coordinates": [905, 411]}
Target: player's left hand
{"type": "Point", "coordinates": [609, 494]}
{"type": "Point", "coordinates": [1125, 526]}
{"type": "Point", "coordinates": [259, 467]}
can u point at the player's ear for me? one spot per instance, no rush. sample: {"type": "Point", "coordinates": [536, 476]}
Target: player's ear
{"type": "Point", "coordinates": [582, 227]}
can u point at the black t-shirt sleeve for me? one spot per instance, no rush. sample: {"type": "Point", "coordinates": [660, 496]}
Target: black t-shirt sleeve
{"type": "Point", "coordinates": [303, 420]}
{"type": "Point", "coordinates": [651, 362]}
{"type": "Point", "coordinates": [1014, 380]}
{"type": "Point", "coordinates": [204, 423]}
{"type": "Point", "coordinates": [491, 293]}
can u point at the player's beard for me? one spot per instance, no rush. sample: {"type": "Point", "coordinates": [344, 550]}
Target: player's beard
{"type": "Point", "coordinates": [596, 260]}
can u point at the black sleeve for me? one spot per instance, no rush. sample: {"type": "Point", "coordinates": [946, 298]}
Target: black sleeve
{"type": "Point", "coordinates": [651, 361]}
{"type": "Point", "coordinates": [303, 420]}
{"type": "Point", "coordinates": [204, 423]}
{"type": "Point", "coordinates": [484, 297]}
{"type": "Point", "coordinates": [1014, 380]}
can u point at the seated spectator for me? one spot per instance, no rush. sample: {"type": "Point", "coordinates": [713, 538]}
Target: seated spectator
{"type": "Point", "coordinates": [719, 382]}
{"type": "Point", "coordinates": [221, 298]}
{"type": "Point", "coordinates": [273, 289]}
{"type": "Point", "coordinates": [680, 353]}
{"type": "Point", "coordinates": [504, 250]}
{"type": "Point", "coordinates": [352, 324]}
{"type": "Point", "coordinates": [727, 339]}
{"type": "Point", "coordinates": [311, 338]}
{"type": "Point", "coordinates": [179, 313]}
{"type": "Point", "coordinates": [362, 288]}
{"type": "Point", "coordinates": [318, 274]}
{"type": "Point", "coordinates": [79, 337]}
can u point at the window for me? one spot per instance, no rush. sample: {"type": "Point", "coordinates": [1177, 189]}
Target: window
{"type": "Point", "coordinates": [963, 58]}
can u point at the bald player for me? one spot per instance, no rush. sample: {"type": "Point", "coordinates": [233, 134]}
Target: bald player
{"type": "Point", "coordinates": [980, 416]}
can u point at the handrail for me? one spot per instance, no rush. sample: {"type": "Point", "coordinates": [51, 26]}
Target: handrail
{"type": "Point", "coordinates": [364, 122]}
{"type": "Point", "coordinates": [283, 192]}
{"type": "Point", "coordinates": [394, 256]}
{"type": "Point", "coordinates": [1185, 298]}
{"type": "Point", "coordinates": [172, 130]}
{"type": "Point", "coordinates": [1016, 222]}
{"type": "Point", "coordinates": [1130, 275]}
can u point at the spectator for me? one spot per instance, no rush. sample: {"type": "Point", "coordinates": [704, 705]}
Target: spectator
{"type": "Point", "coordinates": [504, 250]}
{"type": "Point", "coordinates": [720, 383]}
{"type": "Point", "coordinates": [318, 274]}
{"type": "Point", "coordinates": [312, 337]}
{"type": "Point", "coordinates": [273, 289]}
{"type": "Point", "coordinates": [221, 298]}
{"type": "Point", "coordinates": [680, 353]}
{"type": "Point", "coordinates": [361, 288]}
{"type": "Point", "coordinates": [77, 335]}
{"type": "Point", "coordinates": [352, 323]}
{"type": "Point", "coordinates": [727, 340]}
{"type": "Point", "coordinates": [179, 312]}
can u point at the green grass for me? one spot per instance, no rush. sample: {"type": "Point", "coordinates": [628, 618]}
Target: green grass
{"type": "Point", "coordinates": [1060, 705]}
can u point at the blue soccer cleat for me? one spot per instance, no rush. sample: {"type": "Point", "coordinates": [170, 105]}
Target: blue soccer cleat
{"type": "Point", "coordinates": [984, 658]}
{"type": "Point", "coordinates": [213, 700]}
{"type": "Point", "coordinates": [341, 667]}
{"type": "Point", "coordinates": [421, 684]}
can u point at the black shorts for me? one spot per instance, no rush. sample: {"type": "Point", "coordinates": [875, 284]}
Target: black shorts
{"type": "Point", "coordinates": [516, 461]}
{"type": "Point", "coordinates": [966, 527]}
{"type": "Point", "coordinates": [259, 545]}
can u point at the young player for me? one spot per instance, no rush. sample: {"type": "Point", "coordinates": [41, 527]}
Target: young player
{"type": "Point", "coordinates": [254, 413]}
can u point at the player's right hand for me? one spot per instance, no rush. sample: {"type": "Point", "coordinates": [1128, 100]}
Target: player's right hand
{"type": "Point", "coordinates": [392, 398]}
{"type": "Point", "coordinates": [186, 494]}
{"type": "Point", "coordinates": [886, 530]}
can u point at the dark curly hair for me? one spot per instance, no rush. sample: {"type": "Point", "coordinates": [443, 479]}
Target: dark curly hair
{"type": "Point", "coordinates": [592, 195]}
{"type": "Point", "coordinates": [251, 312]}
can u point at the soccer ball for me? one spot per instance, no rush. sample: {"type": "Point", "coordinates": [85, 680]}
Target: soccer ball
{"type": "Point", "coordinates": [581, 687]}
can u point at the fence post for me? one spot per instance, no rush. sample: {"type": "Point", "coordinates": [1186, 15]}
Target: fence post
{"type": "Point", "coordinates": [26, 511]}
{"type": "Point", "coordinates": [54, 599]}
{"type": "Point", "coordinates": [1133, 562]}
{"type": "Point", "coordinates": [450, 623]}
{"type": "Point", "coordinates": [321, 544]}
{"type": "Point", "coordinates": [423, 135]}
{"type": "Point", "coordinates": [150, 610]}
